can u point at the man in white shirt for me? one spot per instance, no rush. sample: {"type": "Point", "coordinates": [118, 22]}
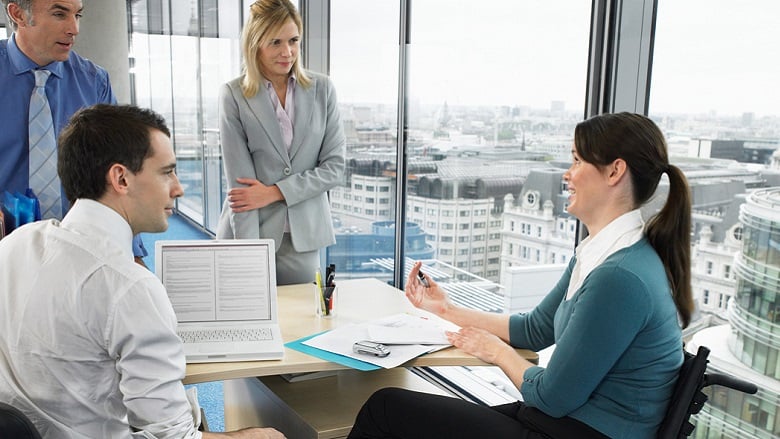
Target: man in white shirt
{"type": "Point", "coordinates": [88, 347]}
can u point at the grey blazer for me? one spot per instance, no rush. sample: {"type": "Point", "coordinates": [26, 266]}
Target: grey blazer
{"type": "Point", "coordinates": [252, 147]}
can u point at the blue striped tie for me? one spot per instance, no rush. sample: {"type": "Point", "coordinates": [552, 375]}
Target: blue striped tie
{"type": "Point", "coordinates": [44, 180]}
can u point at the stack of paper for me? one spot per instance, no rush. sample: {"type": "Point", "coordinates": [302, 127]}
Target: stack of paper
{"type": "Point", "coordinates": [407, 336]}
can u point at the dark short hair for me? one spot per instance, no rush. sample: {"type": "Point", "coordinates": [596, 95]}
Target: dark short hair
{"type": "Point", "coordinates": [98, 137]}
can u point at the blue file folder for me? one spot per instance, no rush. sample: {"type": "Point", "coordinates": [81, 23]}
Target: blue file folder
{"type": "Point", "coordinates": [329, 356]}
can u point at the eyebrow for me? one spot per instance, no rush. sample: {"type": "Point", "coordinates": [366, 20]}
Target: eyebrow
{"type": "Point", "coordinates": [60, 7]}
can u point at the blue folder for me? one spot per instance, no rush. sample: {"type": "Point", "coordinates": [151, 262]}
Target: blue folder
{"type": "Point", "coordinates": [19, 209]}
{"type": "Point", "coordinates": [329, 356]}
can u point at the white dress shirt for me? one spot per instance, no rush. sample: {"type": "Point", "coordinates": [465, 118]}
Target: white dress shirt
{"type": "Point", "coordinates": [622, 232]}
{"type": "Point", "coordinates": [285, 115]}
{"type": "Point", "coordinates": [88, 347]}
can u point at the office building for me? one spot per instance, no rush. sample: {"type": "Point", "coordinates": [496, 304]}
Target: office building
{"type": "Point", "coordinates": [537, 228]}
{"type": "Point", "coordinates": [458, 203]}
{"type": "Point", "coordinates": [749, 345]}
{"type": "Point", "coordinates": [354, 252]}
{"type": "Point", "coordinates": [746, 151]}
{"type": "Point", "coordinates": [716, 239]}
{"type": "Point", "coordinates": [718, 195]}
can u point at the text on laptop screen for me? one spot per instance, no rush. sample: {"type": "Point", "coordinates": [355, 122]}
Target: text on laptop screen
{"type": "Point", "coordinates": [218, 282]}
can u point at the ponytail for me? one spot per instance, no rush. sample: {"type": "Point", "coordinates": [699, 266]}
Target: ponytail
{"type": "Point", "coordinates": [669, 232]}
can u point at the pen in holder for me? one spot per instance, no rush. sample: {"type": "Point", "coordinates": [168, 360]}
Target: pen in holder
{"type": "Point", "coordinates": [325, 292]}
{"type": "Point", "coordinates": [324, 300]}
{"type": "Point", "coordinates": [330, 300]}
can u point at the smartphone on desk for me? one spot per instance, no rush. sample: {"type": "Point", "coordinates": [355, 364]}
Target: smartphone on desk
{"type": "Point", "coordinates": [366, 347]}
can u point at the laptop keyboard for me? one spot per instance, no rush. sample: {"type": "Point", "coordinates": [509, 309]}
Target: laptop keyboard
{"type": "Point", "coordinates": [215, 335]}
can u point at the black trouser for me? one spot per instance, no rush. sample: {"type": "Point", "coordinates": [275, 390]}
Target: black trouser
{"type": "Point", "coordinates": [403, 414]}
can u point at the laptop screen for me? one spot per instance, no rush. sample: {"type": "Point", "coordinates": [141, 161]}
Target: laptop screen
{"type": "Point", "coordinates": [213, 280]}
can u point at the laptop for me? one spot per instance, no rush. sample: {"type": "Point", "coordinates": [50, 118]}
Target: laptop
{"type": "Point", "coordinates": [224, 295]}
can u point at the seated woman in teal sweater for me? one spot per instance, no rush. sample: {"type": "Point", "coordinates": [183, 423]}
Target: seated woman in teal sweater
{"type": "Point", "coordinates": [615, 315]}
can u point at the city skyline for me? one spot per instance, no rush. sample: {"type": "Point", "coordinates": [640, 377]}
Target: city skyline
{"type": "Point", "coordinates": [723, 67]}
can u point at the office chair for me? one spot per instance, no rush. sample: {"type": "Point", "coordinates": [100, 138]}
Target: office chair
{"type": "Point", "coordinates": [14, 424]}
{"type": "Point", "coordinates": [688, 398]}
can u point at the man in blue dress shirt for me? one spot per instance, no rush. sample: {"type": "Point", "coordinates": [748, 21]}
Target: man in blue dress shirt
{"type": "Point", "coordinates": [44, 34]}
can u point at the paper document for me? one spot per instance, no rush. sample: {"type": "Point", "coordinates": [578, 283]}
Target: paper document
{"type": "Point", "coordinates": [406, 335]}
{"type": "Point", "coordinates": [340, 341]}
{"type": "Point", "coordinates": [409, 329]}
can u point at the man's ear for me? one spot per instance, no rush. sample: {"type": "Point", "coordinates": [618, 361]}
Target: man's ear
{"type": "Point", "coordinates": [116, 178]}
{"type": "Point", "coordinates": [17, 14]}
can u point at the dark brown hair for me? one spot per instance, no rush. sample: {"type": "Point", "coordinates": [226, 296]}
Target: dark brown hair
{"type": "Point", "coordinates": [96, 138]}
{"type": "Point", "coordinates": [637, 140]}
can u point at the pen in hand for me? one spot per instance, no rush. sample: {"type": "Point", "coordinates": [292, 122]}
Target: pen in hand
{"type": "Point", "coordinates": [423, 280]}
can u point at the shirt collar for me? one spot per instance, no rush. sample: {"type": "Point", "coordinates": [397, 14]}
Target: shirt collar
{"type": "Point", "coordinates": [291, 81]}
{"type": "Point", "coordinates": [91, 213]}
{"type": "Point", "coordinates": [622, 232]}
{"type": "Point", "coordinates": [593, 248]}
{"type": "Point", "coordinates": [21, 63]}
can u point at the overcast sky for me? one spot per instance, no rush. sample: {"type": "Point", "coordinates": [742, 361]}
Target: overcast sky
{"type": "Point", "coordinates": [709, 54]}
{"type": "Point", "coordinates": [718, 55]}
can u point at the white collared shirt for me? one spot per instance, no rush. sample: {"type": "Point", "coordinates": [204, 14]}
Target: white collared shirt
{"type": "Point", "coordinates": [87, 336]}
{"type": "Point", "coordinates": [285, 114]}
{"type": "Point", "coordinates": [622, 232]}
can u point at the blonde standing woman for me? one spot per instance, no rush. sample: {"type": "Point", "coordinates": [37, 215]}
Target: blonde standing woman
{"type": "Point", "coordinates": [282, 143]}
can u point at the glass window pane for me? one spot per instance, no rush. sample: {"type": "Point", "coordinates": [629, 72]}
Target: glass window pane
{"type": "Point", "coordinates": [486, 105]}
{"type": "Point", "coordinates": [723, 71]}
{"type": "Point", "coordinates": [150, 16]}
{"type": "Point", "coordinates": [140, 75]}
{"type": "Point", "coordinates": [714, 94]}
{"type": "Point", "coordinates": [184, 18]}
{"type": "Point", "coordinates": [186, 126]}
{"type": "Point", "coordinates": [209, 16]}
{"type": "Point", "coordinates": [219, 64]}
{"type": "Point", "coordinates": [364, 70]}
{"type": "Point", "coordinates": [491, 101]}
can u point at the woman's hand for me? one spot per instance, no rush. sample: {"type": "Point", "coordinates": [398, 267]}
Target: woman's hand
{"type": "Point", "coordinates": [431, 298]}
{"type": "Point", "coordinates": [255, 196]}
{"type": "Point", "coordinates": [479, 343]}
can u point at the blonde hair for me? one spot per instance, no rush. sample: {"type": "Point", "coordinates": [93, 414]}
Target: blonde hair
{"type": "Point", "coordinates": [266, 19]}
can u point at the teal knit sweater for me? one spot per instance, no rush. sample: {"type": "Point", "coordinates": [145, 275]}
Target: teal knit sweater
{"type": "Point", "coordinates": [618, 346]}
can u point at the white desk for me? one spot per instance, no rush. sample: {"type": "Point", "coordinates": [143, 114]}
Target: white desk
{"type": "Point", "coordinates": [358, 300]}
{"type": "Point", "coordinates": [323, 408]}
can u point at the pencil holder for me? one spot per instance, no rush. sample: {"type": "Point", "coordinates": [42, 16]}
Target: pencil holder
{"type": "Point", "coordinates": [325, 300]}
